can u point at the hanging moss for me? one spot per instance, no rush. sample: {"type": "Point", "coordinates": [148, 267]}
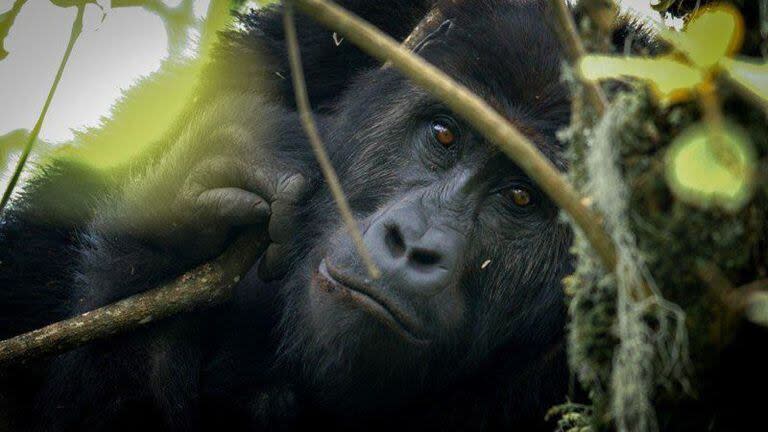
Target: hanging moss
{"type": "Point", "coordinates": [679, 245]}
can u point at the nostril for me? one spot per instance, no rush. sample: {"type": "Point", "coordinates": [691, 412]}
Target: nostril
{"type": "Point", "coordinates": [424, 258]}
{"type": "Point", "coordinates": [394, 240]}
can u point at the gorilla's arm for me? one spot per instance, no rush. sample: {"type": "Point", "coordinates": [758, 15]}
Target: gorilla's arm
{"type": "Point", "coordinates": [242, 164]}
{"type": "Point", "coordinates": [37, 253]}
{"type": "Point", "coordinates": [38, 244]}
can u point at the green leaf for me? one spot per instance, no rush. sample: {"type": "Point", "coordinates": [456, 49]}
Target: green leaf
{"type": "Point", "coordinates": [711, 35]}
{"type": "Point", "coordinates": [670, 80]}
{"type": "Point", "coordinates": [707, 168]}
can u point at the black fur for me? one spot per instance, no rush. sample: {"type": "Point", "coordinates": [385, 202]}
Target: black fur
{"type": "Point", "coordinates": [282, 355]}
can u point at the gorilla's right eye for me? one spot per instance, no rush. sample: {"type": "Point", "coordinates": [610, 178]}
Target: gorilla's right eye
{"type": "Point", "coordinates": [443, 132]}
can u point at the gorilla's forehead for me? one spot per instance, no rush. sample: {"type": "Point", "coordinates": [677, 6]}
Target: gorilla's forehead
{"type": "Point", "coordinates": [506, 51]}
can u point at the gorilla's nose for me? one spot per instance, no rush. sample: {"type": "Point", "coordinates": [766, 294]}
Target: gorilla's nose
{"type": "Point", "coordinates": [411, 254]}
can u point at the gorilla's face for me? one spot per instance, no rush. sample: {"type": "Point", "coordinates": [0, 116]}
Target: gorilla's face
{"type": "Point", "coordinates": [471, 253]}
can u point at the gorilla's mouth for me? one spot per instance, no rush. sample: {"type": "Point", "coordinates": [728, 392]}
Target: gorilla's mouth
{"type": "Point", "coordinates": [337, 283]}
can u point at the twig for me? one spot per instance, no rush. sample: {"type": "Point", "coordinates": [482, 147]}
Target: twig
{"type": "Point", "coordinates": [77, 28]}
{"type": "Point", "coordinates": [305, 112]}
{"type": "Point", "coordinates": [474, 110]}
{"type": "Point", "coordinates": [574, 51]}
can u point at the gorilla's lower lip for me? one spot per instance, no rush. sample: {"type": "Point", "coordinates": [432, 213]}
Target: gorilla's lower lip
{"type": "Point", "coordinates": [331, 279]}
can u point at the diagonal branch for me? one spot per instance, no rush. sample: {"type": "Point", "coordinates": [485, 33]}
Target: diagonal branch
{"type": "Point", "coordinates": [474, 110]}
{"type": "Point", "coordinates": [205, 286]}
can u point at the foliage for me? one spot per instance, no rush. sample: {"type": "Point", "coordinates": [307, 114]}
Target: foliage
{"type": "Point", "coordinates": [682, 158]}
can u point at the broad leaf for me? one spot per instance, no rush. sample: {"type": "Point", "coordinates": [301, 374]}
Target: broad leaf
{"type": "Point", "coordinates": [711, 35]}
{"type": "Point", "coordinates": [670, 80]}
{"type": "Point", "coordinates": [706, 168]}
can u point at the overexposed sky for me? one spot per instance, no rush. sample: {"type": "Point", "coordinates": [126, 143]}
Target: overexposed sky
{"type": "Point", "coordinates": [108, 58]}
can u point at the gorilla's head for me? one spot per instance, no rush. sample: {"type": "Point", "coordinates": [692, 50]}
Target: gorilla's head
{"type": "Point", "coordinates": [470, 250]}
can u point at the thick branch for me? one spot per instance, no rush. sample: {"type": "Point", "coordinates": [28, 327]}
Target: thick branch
{"type": "Point", "coordinates": [204, 286]}
{"type": "Point", "coordinates": [474, 110]}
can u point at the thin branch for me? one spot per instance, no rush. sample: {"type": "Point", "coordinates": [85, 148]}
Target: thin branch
{"type": "Point", "coordinates": [474, 110]}
{"type": "Point", "coordinates": [77, 28]}
{"type": "Point", "coordinates": [305, 112]}
{"type": "Point", "coordinates": [574, 51]}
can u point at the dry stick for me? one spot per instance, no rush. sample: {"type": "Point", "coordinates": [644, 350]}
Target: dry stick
{"type": "Point", "coordinates": [474, 110]}
{"type": "Point", "coordinates": [77, 27]}
{"type": "Point", "coordinates": [207, 285]}
{"type": "Point", "coordinates": [574, 51]}
{"type": "Point", "coordinates": [302, 102]}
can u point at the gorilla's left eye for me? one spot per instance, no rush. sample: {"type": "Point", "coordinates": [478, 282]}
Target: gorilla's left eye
{"type": "Point", "coordinates": [520, 196]}
{"type": "Point", "coordinates": [443, 131]}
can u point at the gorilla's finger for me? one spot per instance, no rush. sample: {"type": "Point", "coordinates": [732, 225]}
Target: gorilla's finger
{"type": "Point", "coordinates": [274, 263]}
{"type": "Point", "coordinates": [217, 172]}
{"type": "Point", "coordinates": [275, 185]}
{"type": "Point", "coordinates": [233, 206]}
{"type": "Point", "coordinates": [281, 223]}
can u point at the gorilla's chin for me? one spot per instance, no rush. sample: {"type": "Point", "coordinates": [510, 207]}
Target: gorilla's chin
{"type": "Point", "coordinates": [343, 349]}
{"type": "Point", "coordinates": [358, 294]}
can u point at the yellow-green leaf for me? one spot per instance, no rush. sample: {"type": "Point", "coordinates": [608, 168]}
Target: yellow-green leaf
{"type": "Point", "coordinates": [670, 80]}
{"type": "Point", "coordinates": [707, 168]}
{"type": "Point", "coordinates": [713, 34]}
{"type": "Point", "coordinates": [752, 77]}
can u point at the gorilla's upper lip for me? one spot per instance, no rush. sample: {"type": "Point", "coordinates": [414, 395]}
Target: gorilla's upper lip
{"type": "Point", "coordinates": [362, 294]}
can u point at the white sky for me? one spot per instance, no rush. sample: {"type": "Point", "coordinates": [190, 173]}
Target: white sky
{"type": "Point", "coordinates": [108, 57]}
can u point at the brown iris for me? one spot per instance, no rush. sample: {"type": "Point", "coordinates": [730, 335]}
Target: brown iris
{"type": "Point", "coordinates": [520, 197]}
{"type": "Point", "coordinates": [443, 134]}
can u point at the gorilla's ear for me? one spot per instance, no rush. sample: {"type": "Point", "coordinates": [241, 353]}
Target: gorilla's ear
{"type": "Point", "coordinates": [434, 36]}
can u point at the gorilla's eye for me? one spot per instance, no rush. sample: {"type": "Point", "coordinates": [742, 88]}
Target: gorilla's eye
{"type": "Point", "coordinates": [443, 133]}
{"type": "Point", "coordinates": [520, 196]}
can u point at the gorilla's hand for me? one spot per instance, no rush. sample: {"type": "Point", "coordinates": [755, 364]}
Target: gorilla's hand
{"type": "Point", "coordinates": [222, 193]}
{"type": "Point", "coordinates": [223, 172]}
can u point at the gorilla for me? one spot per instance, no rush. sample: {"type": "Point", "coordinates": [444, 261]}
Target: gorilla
{"type": "Point", "coordinates": [464, 328]}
